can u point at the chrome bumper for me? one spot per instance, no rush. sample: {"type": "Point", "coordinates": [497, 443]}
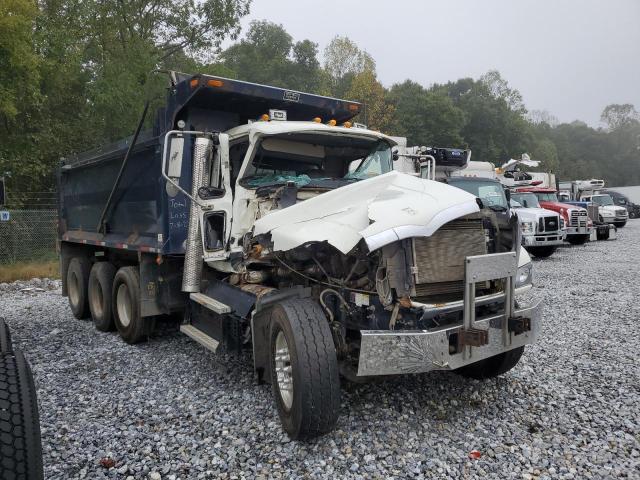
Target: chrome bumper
{"type": "Point", "coordinates": [578, 230]}
{"type": "Point", "coordinates": [394, 352]}
{"type": "Point", "coordinates": [543, 240]}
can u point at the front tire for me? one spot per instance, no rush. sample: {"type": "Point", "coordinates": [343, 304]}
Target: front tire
{"type": "Point", "coordinates": [304, 369]}
{"type": "Point", "coordinates": [20, 444]}
{"type": "Point", "coordinates": [126, 306]}
{"type": "Point", "coordinates": [78, 285]}
{"type": "Point", "coordinates": [100, 285]}
{"type": "Point", "coordinates": [492, 366]}
{"type": "Point", "coordinates": [577, 239]}
{"type": "Point", "coordinates": [620, 224]}
{"type": "Point", "coordinates": [541, 252]}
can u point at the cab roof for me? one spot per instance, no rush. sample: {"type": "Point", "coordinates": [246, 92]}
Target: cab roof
{"type": "Point", "coordinates": [280, 127]}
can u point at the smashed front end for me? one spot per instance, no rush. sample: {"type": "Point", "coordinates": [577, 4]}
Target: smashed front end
{"type": "Point", "coordinates": [413, 276]}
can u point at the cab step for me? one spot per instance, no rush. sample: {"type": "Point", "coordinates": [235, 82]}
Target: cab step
{"type": "Point", "coordinates": [200, 337]}
{"type": "Point", "coordinates": [210, 303]}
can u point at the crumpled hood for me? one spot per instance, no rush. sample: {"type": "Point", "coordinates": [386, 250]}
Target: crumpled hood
{"type": "Point", "coordinates": [380, 210]}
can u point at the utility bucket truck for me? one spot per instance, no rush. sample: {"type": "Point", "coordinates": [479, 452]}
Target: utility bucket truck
{"type": "Point", "coordinates": [239, 212]}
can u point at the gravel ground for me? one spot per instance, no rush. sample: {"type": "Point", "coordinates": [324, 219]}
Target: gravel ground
{"type": "Point", "coordinates": [169, 409]}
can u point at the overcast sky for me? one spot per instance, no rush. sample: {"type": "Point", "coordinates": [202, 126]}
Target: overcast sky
{"type": "Point", "coordinates": [569, 57]}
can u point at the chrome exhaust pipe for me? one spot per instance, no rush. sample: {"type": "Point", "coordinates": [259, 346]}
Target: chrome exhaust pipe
{"type": "Point", "coordinates": [193, 252]}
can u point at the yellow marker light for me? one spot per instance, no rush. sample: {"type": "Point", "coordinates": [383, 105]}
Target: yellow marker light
{"type": "Point", "coordinates": [264, 117]}
{"type": "Point", "coordinates": [331, 123]}
{"type": "Point", "coordinates": [346, 124]}
{"type": "Point", "coordinates": [317, 120]}
{"type": "Point", "coordinates": [214, 82]}
{"type": "Point", "coordinates": [194, 82]}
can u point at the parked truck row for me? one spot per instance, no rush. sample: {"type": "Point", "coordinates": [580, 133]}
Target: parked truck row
{"type": "Point", "coordinates": [266, 221]}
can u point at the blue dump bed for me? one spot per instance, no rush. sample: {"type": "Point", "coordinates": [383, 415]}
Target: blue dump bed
{"type": "Point", "coordinates": [142, 216]}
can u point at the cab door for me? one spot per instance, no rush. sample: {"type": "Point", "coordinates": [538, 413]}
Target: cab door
{"type": "Point", "coordinates": [216, 201]}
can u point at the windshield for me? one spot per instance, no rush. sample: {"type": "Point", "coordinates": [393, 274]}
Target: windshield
{"type": "Point", "coordinates": [527, 200]}
{"type": "Point", "coordinates": [602, 200]}
{"type": "Point", "coordinates": [491, 193]}
{"type": "Point", "coordinates": [378, 161]}
{"type": "Point", "coordinates": [547, 197]}
{"type": "Point", "coordinates": [317, 160]}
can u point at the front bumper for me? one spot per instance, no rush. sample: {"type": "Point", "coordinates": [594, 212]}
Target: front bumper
{"type": "Point", "coordinates": [543, 240]}
{"type": "Point", "coordinates": [395, 352]}
{"type": "Point", "coordinates": [578, 230]}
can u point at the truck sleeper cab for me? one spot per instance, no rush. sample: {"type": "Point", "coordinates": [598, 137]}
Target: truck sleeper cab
{"type": "Point", "coordinates": [265, 238]}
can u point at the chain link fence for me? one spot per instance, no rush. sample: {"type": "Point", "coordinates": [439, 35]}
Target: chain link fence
{"type": "Point", "coordinates": [28, 235]}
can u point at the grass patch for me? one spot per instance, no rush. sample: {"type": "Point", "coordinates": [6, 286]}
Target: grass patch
{"type": "Point", "coordinates": [28, 270]}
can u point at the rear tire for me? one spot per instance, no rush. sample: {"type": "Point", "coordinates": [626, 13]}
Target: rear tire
{"type": "Point", "coordinates": [5, 337]}
{"type": "Point", "coordinates": [492, 366]}
{"type": "Point", "coordinates": [100, 285]}
{"type": "Point", "coordinates": [126, 306]}
{"type": "Point", "coordinates": [304, 369]}
{"type": "Point", "coordinates": [77, 286]}
{"type": "Point", "coordinates": [20, 444]}
{"type": "Point", "coordinates": [577, 239]}
{"type": "Point", "coordinates": [541, 252]}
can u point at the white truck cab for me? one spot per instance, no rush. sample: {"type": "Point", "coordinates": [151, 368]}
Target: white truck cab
{"type": "Point", "coordinates": [609, 212]}
{"type": "Point", "coordinates": [542, 229]}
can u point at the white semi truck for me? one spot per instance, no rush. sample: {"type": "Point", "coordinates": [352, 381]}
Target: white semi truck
{"type": "Point", "coordinates": [240, 213]}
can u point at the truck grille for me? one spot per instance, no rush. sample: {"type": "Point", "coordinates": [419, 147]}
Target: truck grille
{"type": "Point", "coordinates": [578, 218]}
{"type": "Point", "coordinates": [439, 259]}
{"type": "Point", "coordinates": [551, 224]}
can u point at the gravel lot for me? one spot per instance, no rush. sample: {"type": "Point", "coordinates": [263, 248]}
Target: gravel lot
{"type": "Point", "coordinates": [169, 409]}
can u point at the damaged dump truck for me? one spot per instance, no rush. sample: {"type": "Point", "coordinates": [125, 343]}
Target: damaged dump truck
{"type": "Point", "coordinates": [270, 223]}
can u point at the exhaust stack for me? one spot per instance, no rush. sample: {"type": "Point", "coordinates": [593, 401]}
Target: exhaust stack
{"type": "Point", "coordinates": [193, 252]}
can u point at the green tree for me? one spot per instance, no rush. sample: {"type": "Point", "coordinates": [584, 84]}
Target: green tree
{"type": "Point", "coordinates": [378, 111]}
{"type": "Point", "coordinates": [81, 71]}
{"type": "Point", "coordinates": [269, 55]}
{"type": "Point", "coordinates": [426, 117]}
{"type": "Point", "coordinates": [616, 116]}
{"type": "Point", "coordinates": [495, 127]}
{"type": "Point", "coordinates": [344, 60]}
{"type": "Point", "coordinates": [19, 63]}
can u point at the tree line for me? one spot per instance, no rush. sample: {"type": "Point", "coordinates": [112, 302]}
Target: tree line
{"type": "Point", "coordinates": [74, 74]}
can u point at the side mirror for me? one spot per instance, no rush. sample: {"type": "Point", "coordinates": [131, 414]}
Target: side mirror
{"type": "Point", "coordinates": [176, 151]}
{"type": "Point", "coordinates": [395, 156]}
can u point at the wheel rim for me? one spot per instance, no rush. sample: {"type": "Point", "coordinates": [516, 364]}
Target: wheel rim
{"type": "Point", "coordinates": [96, 298]}
{"type": "Point", "coordinates": [123, 303]}
{"type": "Point", "coordinates": [74, 288]}
{"type": "Point", "coordinates": [283, 370]}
